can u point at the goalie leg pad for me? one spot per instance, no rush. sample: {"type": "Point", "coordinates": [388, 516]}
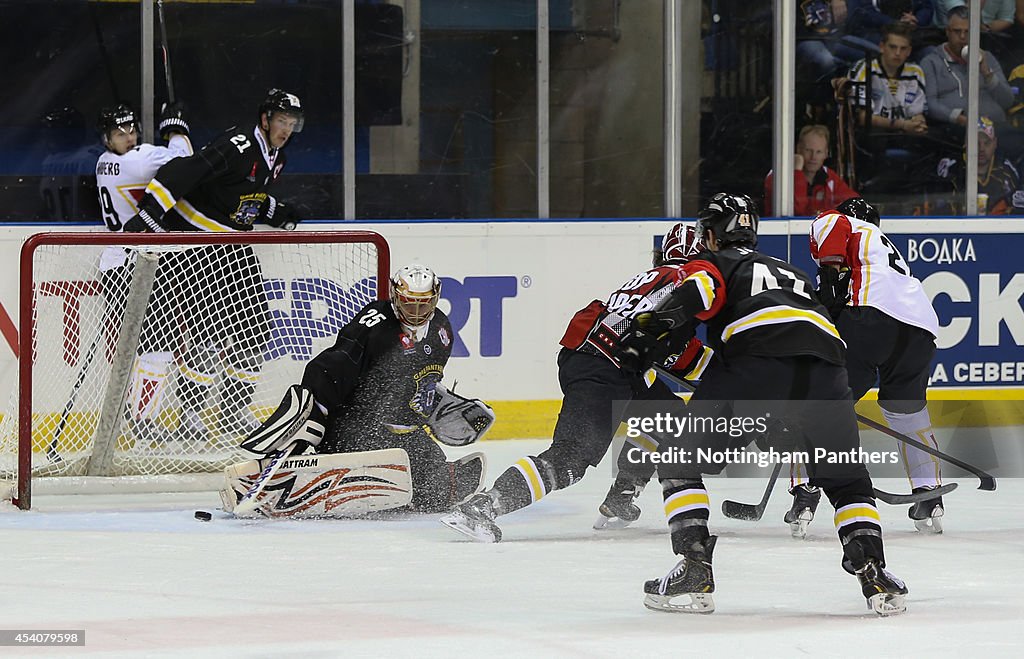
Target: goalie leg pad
{"type": "Point", "coordinates": [336, 485]}
{"type": "Point", "coordinates": [458, 421]}
{"type": "Point", "coordinates": [295, 419]}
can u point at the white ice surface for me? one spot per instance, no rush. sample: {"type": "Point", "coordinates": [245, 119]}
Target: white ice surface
{"type": "Point", "coordinates": [144, 578]}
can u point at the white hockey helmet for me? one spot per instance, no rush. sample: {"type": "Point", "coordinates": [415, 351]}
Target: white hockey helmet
{"type": "Point", "coordinates": [415, 290]}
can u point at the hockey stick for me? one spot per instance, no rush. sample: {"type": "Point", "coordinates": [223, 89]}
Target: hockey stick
{"type": "Point", "coordinates": [988, 482]}
{"type": "Point", "coordinates": [51, 453]}
{"type": "Point", "coordinates": [746, 510]}
{"type": "Point", "coordinates": [166, 50]}
{"type": "Point", "coordinates": [749, 511]}
{"type": "Point", "coordinates": [248, 502]}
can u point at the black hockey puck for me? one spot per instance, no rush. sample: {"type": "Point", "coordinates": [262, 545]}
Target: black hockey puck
{"type": "Point", "coordinates": [203, 516]}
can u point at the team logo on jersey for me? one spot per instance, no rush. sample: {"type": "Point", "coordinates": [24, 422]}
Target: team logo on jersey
{"type": "Point", "coordinates": [425, 398]}
{"type": "Point", "coordinates": [427, 349]}
{"type": "Point", "coordinates": [407, 344]}
{"type": "Point", "coordinates": [248, 208]}
{"type": "Point", "coordinates": [445, 339]}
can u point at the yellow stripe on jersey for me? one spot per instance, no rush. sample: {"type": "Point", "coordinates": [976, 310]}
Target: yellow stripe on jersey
{"type": "Point", "coordinates": [643, 442]}
{"type": "Point", "coordinates": [777, 315]}
{"type": "Point", "coordinates": [865, 271]}
{"type": "Point", "coordinates": [856, 512]}
{"type": "Point", "coordinates": [698, 370]}
{"type": "Point", "coordinates": [198, 220]}
{"type": "Point", "coordinates": [241, 374]}
{"type": "Point", "coordinates": [196, 376]}
{"type": "Point", "coordinates": [705, 286]}
{"type": "Point", "coordinates": [162, 195]}
{"type": "Point", "coordinates": [825, 225]}
{"type": "Point", "coordinates": [686, 501]}
{"type": "Point", "coordinates": [529, 471]}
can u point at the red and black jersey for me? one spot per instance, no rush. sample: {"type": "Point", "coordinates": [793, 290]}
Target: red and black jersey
{"type": "Point", "coordinates": [375, 373]}
{"type": "Point", "coordinates": [755, 304]}
{"type": "Point", "coordinates": [221, 188]}
{"type": "Point", "coordinates": [599, 327]}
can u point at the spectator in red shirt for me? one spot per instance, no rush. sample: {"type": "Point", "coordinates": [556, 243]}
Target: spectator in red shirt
{"type": "Point", "coordinates": [815, 187]}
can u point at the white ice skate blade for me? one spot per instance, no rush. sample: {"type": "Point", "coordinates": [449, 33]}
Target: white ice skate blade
{"type": "Point", "coordinates": [888, 604]}
{"type": "Point", "coordinates": [798, 528]}
{"type": "Point", "coordinates": [931, 525]}
{"type": "Point", "coordinates": [698, 603]}
{"type": "Point", "coordinates": [603, 523]}
{"type": "Point", "coordinates": [458, 521]}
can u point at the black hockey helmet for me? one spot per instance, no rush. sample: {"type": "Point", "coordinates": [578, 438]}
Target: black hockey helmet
{"type": "Point", "coordinates": [861, 210]}
{"type": "Point", "coordinates": [732, 217]}
{"type": "Point", "coordinates": [116, 117]}
{"type": "Point", "coordinates": [281, 101]}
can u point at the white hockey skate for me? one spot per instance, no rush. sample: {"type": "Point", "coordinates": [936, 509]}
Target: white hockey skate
{"type": "Point", "coordinates": [474, 519]}
{"type": "Point", "coordinates": [927, 515]}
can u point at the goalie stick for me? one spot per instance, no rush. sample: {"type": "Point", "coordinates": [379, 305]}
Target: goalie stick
{"type": "Point", "coordinates": [754, 512]}
{"type": "Point", "coordinates": [248, 503]}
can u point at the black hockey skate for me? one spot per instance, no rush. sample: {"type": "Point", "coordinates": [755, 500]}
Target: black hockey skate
{"type": "Point", "coordinates": [618, 509]}
{"type": "Point", "coordinates": [475, 518]}
{"type": "Point", "coordinates": [805, 503]}
{"type": "Point", "coordinates": [927, 515]}
{"type": "Point", "coordinates": [691, 577]}
{"type": "Point", "coordinates": [886, 594]}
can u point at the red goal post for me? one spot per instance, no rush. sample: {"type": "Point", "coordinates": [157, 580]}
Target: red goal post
{"type": "Point", "coordinates": [146, 357]}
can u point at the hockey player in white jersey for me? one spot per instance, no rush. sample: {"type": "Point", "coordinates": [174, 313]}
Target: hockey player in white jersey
{"type": "Point", "coordinates": [122, 173]}
{"type": "Point", "coordinates": [889, 326]}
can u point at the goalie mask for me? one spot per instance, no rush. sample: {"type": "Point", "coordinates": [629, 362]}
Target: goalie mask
{"type": "Point", "coordinates": [680, 245]}
{"type": "Point", "coordinates": [733, 218]}
{"type": "Point", "coordinates": [415, 290]}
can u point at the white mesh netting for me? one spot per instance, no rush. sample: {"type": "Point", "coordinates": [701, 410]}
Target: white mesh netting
{"type": "Point", "coordinates": [158, 359]}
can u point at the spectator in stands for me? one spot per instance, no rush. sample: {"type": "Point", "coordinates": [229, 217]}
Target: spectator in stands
{"type": "Point", "coordinates": [822, 48]}
{"type": "Point", "coordinates": [815, 186]}
{"type": "Point", "coordinates": [945, 70]}
{"type": "Point", "coordinates": [999, 182]}
{"type": "Point", "coordinates": [996, 15]}
{"type": "Point", "coordinates": [893, 140]}
{"type": "Point", "coordinates": [897, 86]}
{"type": "Point", "coordinates": [868, 17]}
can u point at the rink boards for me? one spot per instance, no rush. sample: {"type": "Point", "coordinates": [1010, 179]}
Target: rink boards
{"type": "Point", "coordinates": [510, 288]}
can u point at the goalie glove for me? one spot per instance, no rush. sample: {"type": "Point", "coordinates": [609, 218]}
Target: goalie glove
{"type": "Point", "coordinates": [296, 421]}
{"type": "Point", "coordinates": [458, 421]}
{"type": "Point", "coordinates": [833, 289]}
{"type": "Point", "coordinates": [172, 120]}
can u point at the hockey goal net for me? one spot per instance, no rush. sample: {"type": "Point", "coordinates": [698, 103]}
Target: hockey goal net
{"type": "Point", "coordinates": [148, 357]}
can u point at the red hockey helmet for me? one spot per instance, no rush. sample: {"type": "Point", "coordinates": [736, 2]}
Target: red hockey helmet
{"type": "Point", "coordinates": [680, 245]}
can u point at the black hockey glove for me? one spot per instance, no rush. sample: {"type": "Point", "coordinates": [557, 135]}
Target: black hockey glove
{"type": "Point", "coordinates": [833, 289]}
{"type": "Point", "coordinates": [638, 349]}
{"type": "Point", "coordinates": [143, 222]}
{"type": "Point", "coordinates": [279, 214]}
{"type": "Point", "coordinates": [172, 120]}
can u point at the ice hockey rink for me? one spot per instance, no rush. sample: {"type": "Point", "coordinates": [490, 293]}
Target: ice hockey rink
{"type": "Point", "coordinates": [142, 577]}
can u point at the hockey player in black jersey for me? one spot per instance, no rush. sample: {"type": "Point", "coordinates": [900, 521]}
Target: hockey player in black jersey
{"type": "Point", "coordinates": [379, 387]}
{"type": "Point", "coordinates": [596, 376]}
{"type": "Point", "coordinates": [224, 187]}
{"type": "Point", "coordinates": [776, 351]}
